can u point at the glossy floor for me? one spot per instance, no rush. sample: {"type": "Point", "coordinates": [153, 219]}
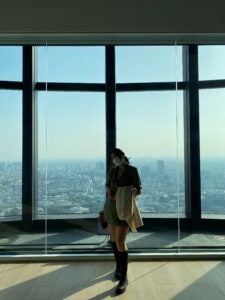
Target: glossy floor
{"type": "Point", "coordinates": [94, 280]}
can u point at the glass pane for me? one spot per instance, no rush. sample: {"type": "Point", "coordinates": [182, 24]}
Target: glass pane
{"type": "Point", "coordinates": [148, 64]}
{"type": "Point", "coordinates": [80, 64]}
{"type": "Point", "coordinates": [212, 142]}
{"type": "Point", "coordinates": [11, 63]}
{"type": "Point", "coordinates": [10, 155]}
{"type": "Point", "coordinates": [211, 62]}
{"type": "Point", "coordinates": [146, 130]}
{"type": "Point", "coordinates": [75, 153]}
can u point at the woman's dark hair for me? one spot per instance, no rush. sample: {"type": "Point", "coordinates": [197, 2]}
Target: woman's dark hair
{"type": "Point", "coordinates": [119, 153]}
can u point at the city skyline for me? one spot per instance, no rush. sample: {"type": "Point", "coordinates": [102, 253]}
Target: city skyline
{"type": "Point", "coordinates": [78, 187]}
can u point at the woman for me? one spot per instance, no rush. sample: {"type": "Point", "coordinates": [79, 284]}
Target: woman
{"type": "Point", "coordinates": [121, 174]}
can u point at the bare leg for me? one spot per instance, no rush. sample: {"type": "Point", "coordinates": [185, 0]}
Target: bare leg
{"type": "Point", "coordinates": [112, 230]}
{"type": "Point", "coordinates": [121, 234]}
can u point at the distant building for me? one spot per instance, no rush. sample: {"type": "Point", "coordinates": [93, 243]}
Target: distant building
{"type": "Point", "coordinates": [145, 170]}
{"type": "Point", "coordinates": [100, 165]}
{"type": "Point", "coordinates": [161, 167]}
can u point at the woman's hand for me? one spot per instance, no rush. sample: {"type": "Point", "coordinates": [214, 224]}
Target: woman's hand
{"type": "Point", "coordinates": [112, 198]}
{"type": "Point", "coordinates": [136, 192]}
{"type": "Point", "coordinates": [110, 195]}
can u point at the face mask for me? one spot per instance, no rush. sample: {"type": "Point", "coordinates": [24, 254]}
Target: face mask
{"type": "Point", "coordinates": [117, 161]}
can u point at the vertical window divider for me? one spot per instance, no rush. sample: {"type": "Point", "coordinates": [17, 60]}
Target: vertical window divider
{"type": "Point", "coordinates": [28, 139]}
{"type": "Point", "coordinates": [110, 101]}
{"type": "Point", "coordinates": [35, 132]}
{"type": "Point", "coordinates": [191, 135]}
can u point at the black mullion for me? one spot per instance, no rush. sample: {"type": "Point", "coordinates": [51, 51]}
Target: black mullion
{"type": "Point", "coordinates": [211, 84]}
{"type": "Point", "coordinates": [65, 87]}
{"type": "Point", "coordinates": [192, 138]}
{"type": "Point", "coordinates": [154, 86]}
{"type": "Point", "coordinates": [110, 101]}
{"type": "Point", "coordinates": [27, 165]}
{"type": "Point", "coordinates": [11, 85]}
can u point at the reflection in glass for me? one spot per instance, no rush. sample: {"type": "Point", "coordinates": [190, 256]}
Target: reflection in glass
{"type": "Point", "coordinates": [211, 62]}
{"type": "Point", "coordinates": [212, 145]}
{"type": "Point", "coordinates": [148, 64]}
{"type": "Point", "coordinates": [76, 153]}
{"type": "Point", "coordinates": [10, 154]}
{"type": "Point", "coordinates": [146, 130]}
{"type": "Point", "coordinates": [11, 63]}
{"type": "Point", "coordinates": [72, 64]}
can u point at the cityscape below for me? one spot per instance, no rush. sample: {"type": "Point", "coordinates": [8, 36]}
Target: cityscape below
{"type": "Point", "coordinates": [78, 187]}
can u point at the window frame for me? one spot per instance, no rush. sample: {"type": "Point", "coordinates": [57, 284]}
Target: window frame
{"type": "Point", "coordinates": [191, 86]}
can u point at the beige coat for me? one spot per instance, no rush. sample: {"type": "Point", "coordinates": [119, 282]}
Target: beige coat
{"type": "Point", "coordinates": [126, 207]}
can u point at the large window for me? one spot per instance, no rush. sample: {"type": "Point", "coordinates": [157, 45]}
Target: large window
{"type": "Point", "coordinates": [75, 152]}
{"type": "Point", "coordinates": [148, 64]}
{"type": "Point", "coordinates": [149, 123]}
{"type": "Point", "coordinates": [63, 109]}
{"type": "Point", "coordinates": [71, 132]}
{"type": "Point", "coordinates": [10, 153]}
{"type": "Point", "coordinates": [11, 63]}
{"type": "Point", "coordinates": [10, 133]}
{"type": "Point", "coordinates": [211, 62]}
{"type": "Point", "coordinates": [212, 132]}
{"type": "Point", "coordinates": [211, 112]}
{"type": "Point", "coordinates": [80, 64]}
{"type": "Point", "coordinates": [147, 131]}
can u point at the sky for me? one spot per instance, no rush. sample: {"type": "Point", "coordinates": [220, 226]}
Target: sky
{"type": "Point", "coordinates": [72, 125]}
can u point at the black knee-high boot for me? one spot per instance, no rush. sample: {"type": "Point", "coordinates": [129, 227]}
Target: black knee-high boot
{"type": "Point", "coordinates": [121, 287]}
{"type": "Point", "coordinates": [117, 259]}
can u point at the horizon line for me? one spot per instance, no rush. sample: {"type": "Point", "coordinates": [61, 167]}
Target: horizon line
{"type": "Point", "coordinates": [104, 158]}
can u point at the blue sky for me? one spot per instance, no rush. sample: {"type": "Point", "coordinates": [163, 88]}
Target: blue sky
{"type": "Point", "coordinates": [146, 121]}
